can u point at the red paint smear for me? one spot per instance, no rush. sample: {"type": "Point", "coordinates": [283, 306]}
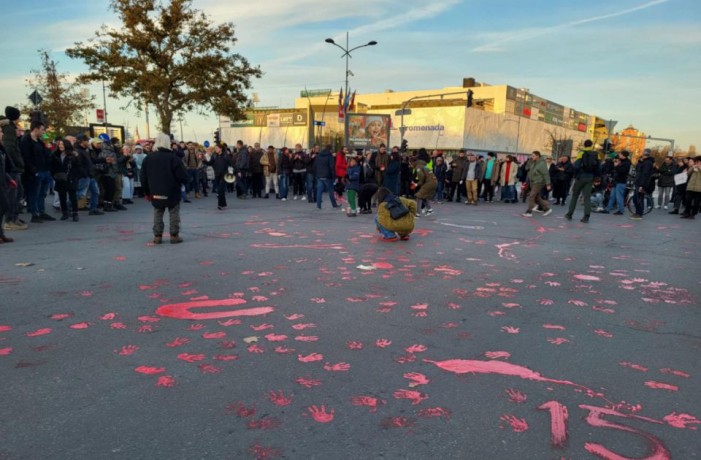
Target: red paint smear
{"type": "Point", "coordinates": [636, 367]}
{"type": "Point", "coordinates": [229, 322]}
{"type": "Point", "coordinates": [148, 370]}
{"type": "Point", "coordinates": [667, 370]}
{"type": "Point", "coordinates": [587, 278]}
{"type": "Point", "coordinates": [118, 326]}
{"type": "Point", "coordinates": [398, 422]}
{"type": "Point", "coordinates": [261, 327]}
{"type": "Point", "coordinates": [108, 316]}
{"type": "Point", "coordinates": [516, 396]}
{"type": "Point", "coordinates": [225, 357]}
{"type": "Point", "coordinates": [681, 420]}
{"type": "Point", "coordinates": [603, 333]}
{"type": "Point", "coordinates": [294, 316]}
{"type": "Point", "coordinates": [383, 343]}
{"type": "Point", "coordinates": [276, 337]}
{"type": "Point", "coordinates": [367, 401]}
{"type": "Point", "coordinates": [284, 350]}
{"type": "Point", "coordinates": [657, 450]}
{"type": "Point", "coordinates": [5, 351]}
{"type": "Point", "coordinates": [83, 325]}
{"type": "Point", "coordinates": [148, 319]}
{"type": "Point", "coordinates": [165, 381]}
{"type": "Point", "coordinates": [416, 349]}
{"type": "Point", "coordinates": [558, 422]}
{"type": "Point", "coordinates": [338, 367]}
{"type": "Point", "coordinates": [55, 317]}
{"type": "Point", "coordinates": [279, 398]}
{"type": "Point", "coordinates": [213, 335]}
{"type": "Point", "coordinates": [553, 326]}
{"type": "Point", "coordinates": [434, 412]}
{"type": "Point", "coordinates": [519, 425]}
{"type": "Point", "coordinates": [307, 382]}
{"type": "Point", "coordinates": [5, 328]}
{"type": "Point", "coordinates": [263, 453]}
{"type": "Point", "coordinates": [497, 354]}
{"type": "Point", "coordinates": [182, 310]}
{"type": "Point", "coordinates": [354, 345]}
{"type": "Point", "coordinates": [416, 397]}
{"type": "Point", "coordinates": [264, 424]}
{"type": "Point", "coordinates": [241, 410]}
{"type": "Point", "coordinates": [383, 265]}
{"type": "Point", "coordinates": [320, 414]}
{"type": "Point", "coordinates": [470, 366]}
{"type": "Point", "coordinates": [191, 358]}
{"type": "Point", "coordinates": [195, 327]}
{"type": "Point", "coordinates": [38, 332]}
{"type": "Point", "coordinates": [303, 326]}
{"type": "Point", "coordinates": [208, 369]}
{"type": "Point", "coordinates": [310, 358]}
{"type": "Point", "coordinates": [661, 386]}
{"type": "Point", "coordinates": [127, 350]}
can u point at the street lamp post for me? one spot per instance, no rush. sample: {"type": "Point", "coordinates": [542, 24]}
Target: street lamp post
{"type": "Point", "coordinates": [347, 55]}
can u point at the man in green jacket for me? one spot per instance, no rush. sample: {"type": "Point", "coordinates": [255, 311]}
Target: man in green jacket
{"type": "Point", "coordinates": [538, 177]}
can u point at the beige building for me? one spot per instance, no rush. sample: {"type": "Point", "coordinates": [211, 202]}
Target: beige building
{"type": "Point", "coordinates": [502, 119]}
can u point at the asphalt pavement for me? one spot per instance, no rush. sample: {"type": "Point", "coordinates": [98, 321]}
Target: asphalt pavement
{"type": "Point", "coordinates": [280, 331]}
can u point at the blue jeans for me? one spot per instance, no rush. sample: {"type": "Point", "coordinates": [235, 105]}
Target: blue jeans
{"type": "Point", "coordinates": [383, 231]}
{"type": "Point", "coordinates": [324, 185]}
{"type": "Point", "coordinates": [193, 182]}
{"type": "Point", "coordinates": [85, 184]}
{"type": "Point", "coordinates": [37, 191]}
{"type": "Point", "coordinates": [310, 188]}
{"type": "Point", "coordinates": [508, 192]}
{"type": "Point", "coordinates": [439, 191]}
{"type": "Point", "coordinates": [616, 198]}
{"type": "Point", "coordinates": [284, 184]}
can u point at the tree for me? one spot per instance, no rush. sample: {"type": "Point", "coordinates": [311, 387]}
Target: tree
{"type": "Point", "coordinates": [62, 100]}
{"type": "Point", "coordinates": [169, 55]}
{"type": "Point", "coordinates": [558, 143]}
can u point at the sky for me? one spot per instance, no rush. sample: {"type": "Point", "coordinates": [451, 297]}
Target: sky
{"type": "Point", "coordinates": [634, 61]}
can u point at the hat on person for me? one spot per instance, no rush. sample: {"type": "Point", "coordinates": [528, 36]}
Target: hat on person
{"type": "Point", "coordinates": [82, 137]}
{"type": "Point", "coordinates": [96, 140]}
{"type": "Point", "coordinates": [647, 152]}
{"type": "Point", "coordinates": [138, 146]}
{"type": "Point", "coordinates": [12, 113]}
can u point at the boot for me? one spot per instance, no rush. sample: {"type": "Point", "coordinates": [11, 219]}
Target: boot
{"type": "Point", "coordinates": [75, 217]}
{"type": "Point", "coordinates": [119, 207]}
{"type": "Point", "coordinates": [157, 239]}
{"type": "Point", "coordinates": [175, 239]}
{"type": "Point", "coordinates": [107, 207]}
{"type": "Point", "coordinates": [64, 216]}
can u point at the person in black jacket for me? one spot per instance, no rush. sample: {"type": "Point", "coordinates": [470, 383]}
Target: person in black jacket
{"type": "Point", "coordinates": [36, 174]}
{"type": "Point", "coordinates": [6, 184]}
{"type": "Point", "coordinates": [325, 169]}
{"type": "Point", "coordinates": [220, 162]}
{"type": "Point", "coordinates": [643, 179]}
{"type": "Point", "coordinates": [66, 170]}
{"type": "Point", "coordinates": [561, 175]}
{"type": "Point", "coordinates": [621, 170]}
{"type": "Point", "coordinates": [162, 176]}
{"type": "Point", "coordinates": [665, 183]}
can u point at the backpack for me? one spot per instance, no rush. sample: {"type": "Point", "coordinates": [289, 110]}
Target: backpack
{"type": "Point", "coordinates": [589, 163]}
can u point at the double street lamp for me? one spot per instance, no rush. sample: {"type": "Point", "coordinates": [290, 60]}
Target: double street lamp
{"type": "Point", "coordinates": [347, 55]}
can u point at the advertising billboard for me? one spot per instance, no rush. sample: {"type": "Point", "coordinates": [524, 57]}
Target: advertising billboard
{"type": "Point", "coordinates": [368, 131]}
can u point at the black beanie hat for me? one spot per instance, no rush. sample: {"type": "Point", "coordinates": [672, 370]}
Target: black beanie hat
{"type": "Point", "coordinates": [12, 113]}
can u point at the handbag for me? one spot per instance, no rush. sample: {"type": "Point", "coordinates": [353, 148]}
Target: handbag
{"type": "Point", "coordinates": [396, 208]}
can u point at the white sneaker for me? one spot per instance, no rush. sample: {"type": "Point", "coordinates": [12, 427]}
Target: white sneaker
{"type": "Point", "coordinates": [417, 215]}
{"type": "Point", "coordinates": [304, 197]}
{"type": "Point", "coordinates": [537, 209]}
{"type": "Point", "coordinates": [295, 198]}
{"type": "Point", "coordinates": [666, 207]}
{"type": "Point", "coordinates": [283, 199]}
{"type": "Point", "coordinates": [548, 212]}
{"type": "Point", "coordinates": [657, 206]}
{"type": "Point", "coordinates": [527, 214]}
{"type": "Point", "coordinates": [429, 212]}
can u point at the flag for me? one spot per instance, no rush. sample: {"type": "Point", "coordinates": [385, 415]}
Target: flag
{"type": "Point", "coordinates": [346, 102]}
{"type": "Point", "coordinates": [351, 107]}
{"type": "Point", "coordinates": [341, 112]}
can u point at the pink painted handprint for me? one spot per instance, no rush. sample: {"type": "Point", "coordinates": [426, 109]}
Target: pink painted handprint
{"type": "Point", "coordinates": [320, 414]}
{"type": "Point", "coordinates": [279, 398]}
{"type": "Point", "coordinates": [338, 367]}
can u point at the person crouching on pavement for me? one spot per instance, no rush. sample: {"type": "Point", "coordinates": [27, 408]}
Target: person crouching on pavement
{"type": "Point", "coordinates": [162, 176]}
{"type": "Point", "coordinates": [395, 215]}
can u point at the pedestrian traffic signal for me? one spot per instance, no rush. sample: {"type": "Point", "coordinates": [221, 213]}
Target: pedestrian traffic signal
{"type": "Point", "coordinates": [469, 97]}
{"type": "Point", "coordinates": [217, 138]}
{"type": "Point", "coordinates": [405, 145]}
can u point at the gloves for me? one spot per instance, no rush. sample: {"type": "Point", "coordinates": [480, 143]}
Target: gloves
{"type": "Point", "coordinates": [12, 183]}
{"type": "Point", "coordinates": [148, 197]}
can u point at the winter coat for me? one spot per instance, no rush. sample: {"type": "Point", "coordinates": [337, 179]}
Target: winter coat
{"type": "Point", "coordinates": [220, 163]}
{"type": "Point", "coordinates": [36, 156]}
{"type": "Point", "coordinates": [391, 176]}
{"type": "Point", "coordinates": [538, 172]}
{"type": "Point", "coordinates": [440, 171]}
{"type": "Point", "coordinates": [11, 144]}
{"type": "Point", "coordinates": [693, 184]}
{"type": "Point", "coordinates": [66, 172]}
{"type": "Point", "coordinates": [325, 165]}
{"type": "Point", "coordinates": [254, 164]}
{"type": "Point", "coordinates": [513, 171]}
{"type": "Point", "coordinates": [666, 178]}
{"type": "Point", "coordinates": [426, 182]}
{"type": "Point", "coordinates": [402, 226]}
{"type": "Point", "coordinates": [457, 165]}
{"type": "Point", "coordinates": [621, 172]}
{"type": "Point", "coordinates": [341, 165]}
{"type": "Point", "coordinates": [298, 165]}
{"type": "Point", "coordinates": [284, 164]}
{"type": "Point", "coordinates": [566, 174]}
{"type": "Point", "coordinates": [466, 169]}
{"type": "Point", "coordinates": [354, 173]}
{"type": "Point", "coordinates": [643, 173]}
{"type": "Point", "coordinates": [162, 176]}
{"type": "Point", "coordinates": [309, 163]}
{"type": "Point", "coordinates": [242, 160]}
{"type": "Point", "coordinates": [494, 173]}
{"type": "Point", "coordinates": [4, 183]}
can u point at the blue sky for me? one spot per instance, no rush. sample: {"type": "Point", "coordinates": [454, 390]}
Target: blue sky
{"type": "Point", "coordinates": [635, 61]}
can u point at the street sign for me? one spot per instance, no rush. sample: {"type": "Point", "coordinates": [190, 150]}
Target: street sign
{"type": "Point", "coordinates": [319, 123]}
{"type": "Point", "coordinates": [401, 112]}
{"type": "Point", "coordinates": [100, 115]}
{"type": "Point", "coordinates": [35, 98]}
{"type": "Point", "coordinates": [206, 144]}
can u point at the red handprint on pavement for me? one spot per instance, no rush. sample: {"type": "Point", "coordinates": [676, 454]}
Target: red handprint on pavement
{"type": "Point", "coordinates": [146, 328]}
{"type": "Point", "coordinates": [118, 326]}
{"type": "Point", "coordinates": [294, 317]}
{"type": "Point", "coordinates": [261, 327]}
{"type": "Point", "coordinates": [338, 367]}
{"type": "Point", "coordinates": [511, 330]}
{"type": "Point", "coordinates": [214, 335]}
{"type": "Point", "coordinates": [272, 337]}
{"type": "Point", "coordinates": [127, 350]}
{"type": "Point", "coordinates": [279, 398]}
{"type": "Point", "coordinates": [149, 370]}
{"type": "Point", "coordinates": [229, 322]}
{"type": "Point", "coordinates": [302, 326]}
{"type": "Point", "coordinates": [178, 341]}
{"type": "Point", "coordinates": [191, 358]}
{"type": "Point", "coordinates": [416, 379]}
{"type": "Point", "coordinates": [307, 382]}
{"type": "Point", "coordinates": [165, 381]}
{"type": "Point", "coordinates": [209, 369]}
{"type": "Point", "coordinates": [284, 350]}
{"type": "Point", "coordinates": [353, 345]}
{"type": "Point", "coordinates": [307, 338]}
{"type": "Point", "coordinates": [310, 358]}
{"type": "Point", "coordinates": [368, 401]}
{"type": "Point", "coordinates": [434, 412]}
{"type": "Point", "coordinates": [414, 396]}
{"type": "Point", "coordinates": [516, 396]}
{"type": "Point", "coordinates": [107, 316]}
{"type": "Point", "coordinates": [382, 343]}
{"type": "Point", "coordinates": [254, 348]}
{"type": "Point", "coordinates": [320, 414]}
{"type": "Point", "coordinates": [416, 349]}
{"type": "Point", "coordinates": [241, 410]}
{"type": "Point", "coordinates": [195, 327]}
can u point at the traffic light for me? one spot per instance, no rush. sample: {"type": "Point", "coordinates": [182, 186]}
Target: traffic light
{"type": "Point", "coordinates": [217, 138]}
{"type": "Point", "coordinates": [405, 145]}
{"type": "Point", "coordinates": [469, 97]}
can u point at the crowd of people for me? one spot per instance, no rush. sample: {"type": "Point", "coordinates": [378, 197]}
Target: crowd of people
{"type": "Point", "coordinates": [103, 175]}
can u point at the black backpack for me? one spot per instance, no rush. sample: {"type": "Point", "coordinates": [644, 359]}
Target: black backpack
{"type": "Point", "coordinates": [589, 163]}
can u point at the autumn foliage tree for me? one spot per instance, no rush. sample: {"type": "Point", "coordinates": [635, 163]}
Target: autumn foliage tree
{"type": "Point", "coordinates": [169, 55]}
{"type": "Point", "coordinates": [63, 101]}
